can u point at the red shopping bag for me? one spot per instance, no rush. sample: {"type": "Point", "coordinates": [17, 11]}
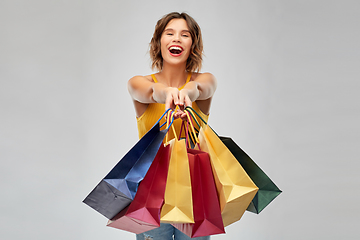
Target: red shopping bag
{"type": "Point", "coordinates": [206, 206]}
{"type": "Point", "coordinates": [121, 221]}
{"type": "Point", "coordinates": [207, 214]}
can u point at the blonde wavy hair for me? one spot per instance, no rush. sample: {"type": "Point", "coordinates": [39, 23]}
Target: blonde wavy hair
{"type": "Point", "coordinates": [194, 62]}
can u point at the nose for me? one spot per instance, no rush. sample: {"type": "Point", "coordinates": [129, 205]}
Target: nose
{"type": "Point", "coordinates": [176, 38]}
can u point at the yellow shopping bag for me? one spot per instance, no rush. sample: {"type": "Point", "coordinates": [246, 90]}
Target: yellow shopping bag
{"type": "Point", "coordinates": [235, 188]}
{"type": "Point", "coordinates": [178, 205]}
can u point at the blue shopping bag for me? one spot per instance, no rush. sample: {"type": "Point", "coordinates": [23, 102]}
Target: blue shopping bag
{"type": "Point", "coordinates": [118, 188]}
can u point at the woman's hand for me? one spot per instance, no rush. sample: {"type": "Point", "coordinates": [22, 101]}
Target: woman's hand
{"type": "Point", "coordinates": [176, 98]}
{"type": "Point", "coordinates": [144, 91]}
{"type": "Point", "coordinates": [171, 99]}
{"type": "Point", "coordinates": [184, 101]}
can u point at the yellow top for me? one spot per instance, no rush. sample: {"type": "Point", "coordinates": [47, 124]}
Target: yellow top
{"type": "Point", "coordinates": [154, 111]}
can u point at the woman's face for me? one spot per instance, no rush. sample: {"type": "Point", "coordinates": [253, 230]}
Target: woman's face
{"type": "Point", "coordinates": [176, 42]}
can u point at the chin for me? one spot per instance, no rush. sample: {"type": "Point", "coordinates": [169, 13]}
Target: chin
{"type": "Point", "coordinates": [175, 60]}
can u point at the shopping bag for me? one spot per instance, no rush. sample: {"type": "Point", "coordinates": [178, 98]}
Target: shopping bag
{"type": "Point", "coordinates": [178, 206]}
{"type": "Point", "coordinates": [207, 213]}
{"type": "Point", "coordinates": [235, 188]}
{"type": "Point", "coordinates": [268, 191]}
{"type": "Point", "coordinates": [143, 213]}
{"type": "Point", "coordinates": [118, 188]}
{"type": "Point", "coordinates": [147, 204]}
{"type": "Point", "coordinates": [121, 221]}
{"type": "Point", "coordinates": [206, 207]}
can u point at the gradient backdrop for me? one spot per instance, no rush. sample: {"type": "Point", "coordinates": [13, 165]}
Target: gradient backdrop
{"type": "Point", "coordinates": [288, 93]}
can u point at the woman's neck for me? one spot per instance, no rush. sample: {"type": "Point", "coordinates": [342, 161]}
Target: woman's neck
{"type": "Point", "coordinates": [173, 75]}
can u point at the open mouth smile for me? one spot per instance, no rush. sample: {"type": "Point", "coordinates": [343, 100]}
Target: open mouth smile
{"type": "Point", "coordinates": [175, 50]}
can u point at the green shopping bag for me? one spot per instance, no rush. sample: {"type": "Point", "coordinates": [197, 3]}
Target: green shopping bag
{"type": "Point", "coordinates": [268, 191]}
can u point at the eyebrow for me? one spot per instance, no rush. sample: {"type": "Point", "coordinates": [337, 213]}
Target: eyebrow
{"type": "Point", "coordinates": [170, 29]}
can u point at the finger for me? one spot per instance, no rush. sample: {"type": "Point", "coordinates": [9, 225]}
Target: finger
{"type": "Point", "coordinates": [181, 109]}
{"type": "Point", "coordinates": [169, 102]}
{"type": "Point", "coordinates": [187, 101]}
{"type": "Point", "coordinates": [181, 98]}
{"type": "Point", "coordinates": [177, 114]}
{"type": "Point", "coordinates": [175, 96]}
{"type": "Point", "coordinates": [183, 117]}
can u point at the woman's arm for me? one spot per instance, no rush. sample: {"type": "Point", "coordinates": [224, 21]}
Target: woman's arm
{"type": "Point", "coordinates": [143, 91]}
{"type": "Point", "coordinates": [201, 89]}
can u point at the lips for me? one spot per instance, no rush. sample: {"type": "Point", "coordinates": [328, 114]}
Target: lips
{"type": "Point", "coordinates": [175, 50]}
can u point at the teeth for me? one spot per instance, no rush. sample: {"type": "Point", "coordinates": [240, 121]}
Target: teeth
{"type": "Point", "coordinates": [175, 48]}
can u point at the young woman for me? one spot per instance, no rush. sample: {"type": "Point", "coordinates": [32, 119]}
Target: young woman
{"type": "Point", "coordinates": [176, 52]}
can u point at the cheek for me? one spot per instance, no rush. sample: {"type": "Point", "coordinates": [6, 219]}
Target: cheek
{"type": "Point", "coordinates": [163, 48]}
{"type": "Point", "coordinates": [162, 40]}
{"type": "Point", "coordinates": [163, 44]}
{"type": "Point", "coordinates": [189, 43]}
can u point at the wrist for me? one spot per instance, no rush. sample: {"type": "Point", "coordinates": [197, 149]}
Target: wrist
{"type": "Point", "coordinates": [191, 91]}
{"type": "Point", "coordinates": [159, 93]}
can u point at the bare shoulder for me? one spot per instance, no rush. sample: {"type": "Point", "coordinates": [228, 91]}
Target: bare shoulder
{"type": "Point", "coordinates": [141, 78]}
{"type": "Point", "coordinates": [203, 76]}
{"type": "Point", "coordinates": [138, 81]}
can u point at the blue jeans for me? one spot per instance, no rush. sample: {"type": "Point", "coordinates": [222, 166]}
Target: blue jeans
{"type": "Point", "coordinates": [166, 232]}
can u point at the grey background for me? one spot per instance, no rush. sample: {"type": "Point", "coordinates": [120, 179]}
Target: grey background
{"type": "Point", "coordinates": [288, 74]}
